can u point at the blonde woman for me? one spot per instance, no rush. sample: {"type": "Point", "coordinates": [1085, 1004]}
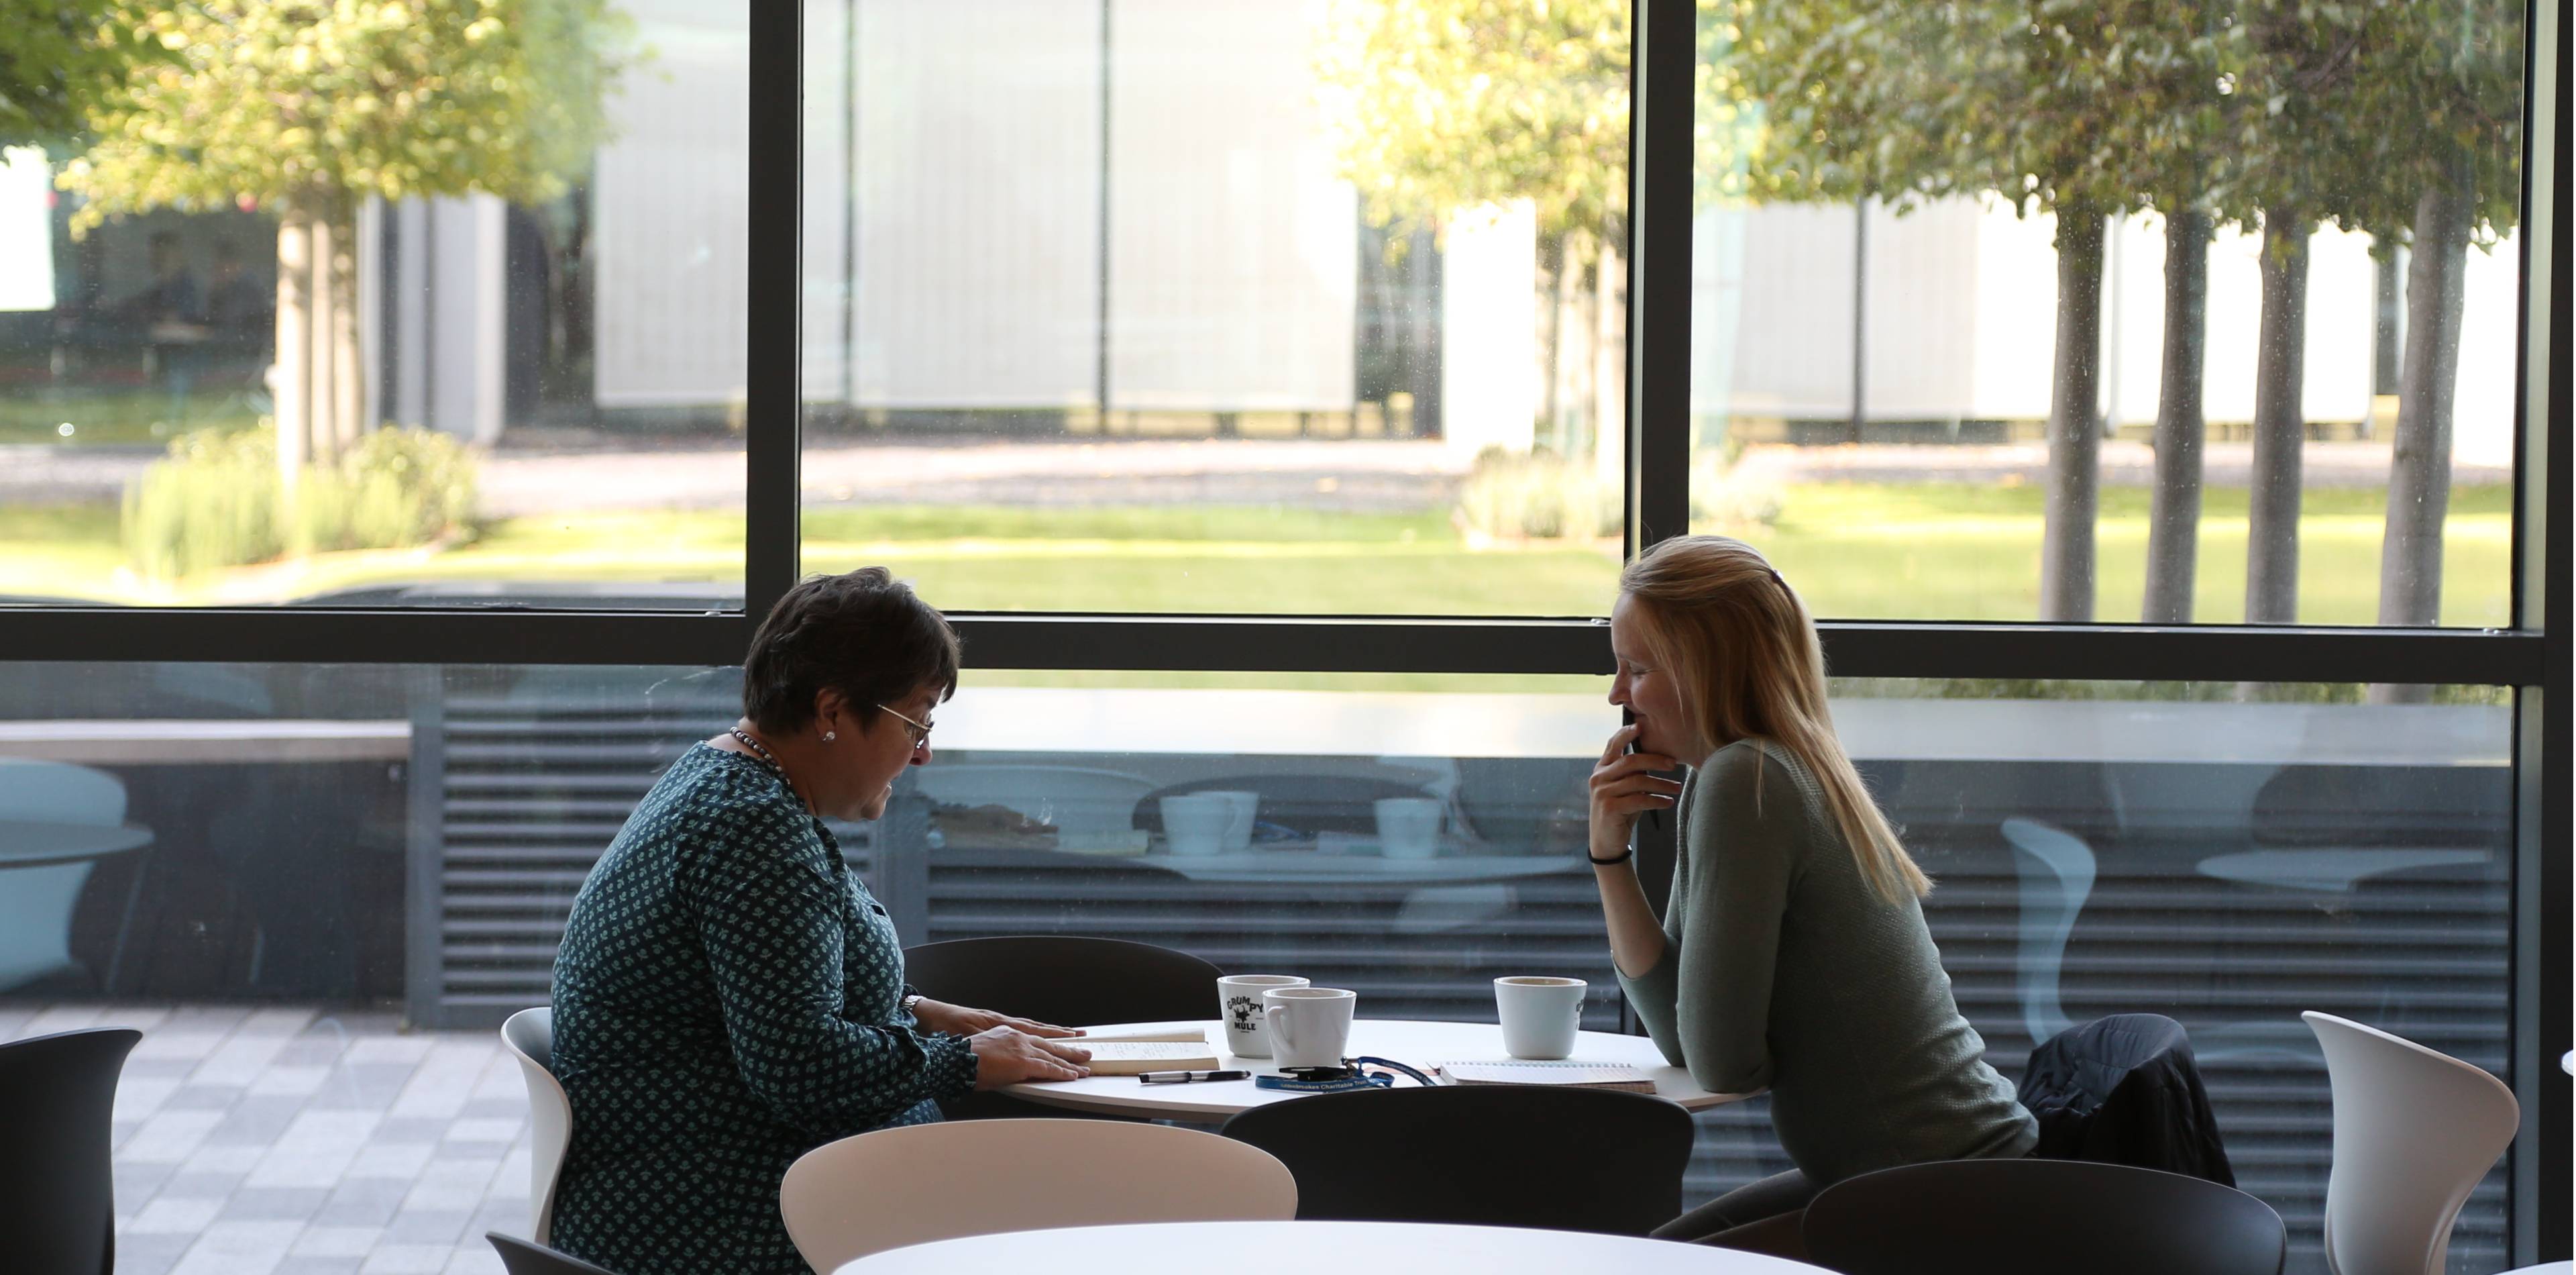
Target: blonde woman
{"type": "Point", "coordinates": [1793, 954]}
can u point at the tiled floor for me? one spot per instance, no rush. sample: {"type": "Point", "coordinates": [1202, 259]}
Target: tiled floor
{"type": "Point", "coordinates": [280, 1141]}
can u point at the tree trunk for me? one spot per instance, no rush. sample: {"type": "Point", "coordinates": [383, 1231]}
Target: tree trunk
{"type": "Point", "coordinates": [292, 389]}
{"type": "Point", "coordinates": [2419, 471]}
{"type": "Point", "coordinates": [1610, 367]}
{"type": "Point", "coordinates": [2074, 423]}
{"type": "Point", "coordinates": [1583, 364]}
{"type": "Point", "coordinates": [2280, 423]}
{"type": "Point", "coordinates": [324, 436]}
{"type": "Point", "coordinates": [348, 389]}
{"type": "Point", "coordinates": [1550, 426]}
{"type": "Point", "coordinates": [2173, 527]}
{"type": "Point", "coordinates": [2419, 467]}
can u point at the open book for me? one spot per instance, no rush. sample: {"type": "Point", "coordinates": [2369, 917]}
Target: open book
{"type": "Point", "coordinates": [1190, 1035]}
{"type": "Point", "coordinates": [1128, 1057]}
{"type": "Point", "coordinates": [1581, 1074]}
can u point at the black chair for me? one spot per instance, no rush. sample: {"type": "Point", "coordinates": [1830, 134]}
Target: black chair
{"type": "Point", "coordinates": [1065, 979]}
{"type": "Point", "coordinates": [2040, 1217]}
{"type": "Point", "coordinates": [1068, 980]}
{"type": "Point", "coordinates": [57, 1193]}
{"type": "Point", "coordinates": [520, 1257]}
{"type": "Point", "coordinates": [1491, 1155]}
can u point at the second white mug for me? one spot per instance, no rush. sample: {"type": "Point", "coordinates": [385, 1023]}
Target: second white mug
{"type": "Point", "coordinates": [1309, 1026]}
{"type": "Point", "coordinates": [1540, 1015]}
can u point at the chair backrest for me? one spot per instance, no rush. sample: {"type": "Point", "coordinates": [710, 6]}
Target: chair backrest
{"type": "Point", "coordinates": [1065, 979]}
{"type": "Point", "coordinates": [520, 1257]}
{"type": "Point", "coordinates": [57, 1192]}
{"type": "Point", "coordinates": [1493, 1155]}
{"type": "Point", "coordinates": [2040, 1217]}
{"type": "Point", "coordinates": [2414, 1130]}
{"type": "Point", "coordinates": [530, 1035]}
{"type": "Point", "coordinates": [59, 792]}
{"type": "Point", "coordinates": [2056, 870]}
{"type": "Point", "coordinates": [882, 1190]}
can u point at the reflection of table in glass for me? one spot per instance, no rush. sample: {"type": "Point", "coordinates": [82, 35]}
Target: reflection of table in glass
{"type": "Point", "coordinates": [2329, 869]}
{"type": "Point", "coordinates": [109, 742]}
{"type": "Point", "coordinates": [37, 931]}
{"type": "Point", "coordinates": [1317, 1248]}
{"type": "Point", "coordinates": [1310, 868]}
{"type": "Point", "coordinates": [1417, 1044]}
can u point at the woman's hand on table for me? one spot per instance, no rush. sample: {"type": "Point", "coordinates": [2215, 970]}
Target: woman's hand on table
{"type": "Point", "coordinates": [957, 1020]}
{"type": "Point", "coordinates": [1007, 1056]}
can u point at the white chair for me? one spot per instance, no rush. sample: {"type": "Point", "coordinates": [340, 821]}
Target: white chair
{"type": "Point", "coordinates": [861, 1195]}
{"type": "Point", "coordinates": [530, 1034]}
{"type": "Point", "coordinates": [2056, 871]}
{"type": "Point", "coordinates": [2414, 1130]}
{"type": "Point", "coordinates": [36, 903]}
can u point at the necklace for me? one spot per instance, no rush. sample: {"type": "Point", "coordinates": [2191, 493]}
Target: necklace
{"type": "Point", "coordinates": [760, 750]}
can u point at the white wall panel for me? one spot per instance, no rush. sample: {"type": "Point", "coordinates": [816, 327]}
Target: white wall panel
{"type": "Point", "coordinates": [978, 198]}
{"type": "Point", "coordinates": [671, 199]}
{"type": "Point", "coordinates": [1234, 272]}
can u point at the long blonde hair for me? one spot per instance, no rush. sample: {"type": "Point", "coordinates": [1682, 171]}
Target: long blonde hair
{"type": "Point", "coordinates": [1744, 653]}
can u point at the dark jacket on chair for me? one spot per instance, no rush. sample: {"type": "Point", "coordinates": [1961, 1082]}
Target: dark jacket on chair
{"type": "Point", "coordinates": [2124, 1090]}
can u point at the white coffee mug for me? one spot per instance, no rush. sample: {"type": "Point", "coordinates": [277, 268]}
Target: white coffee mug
{"type": "Point", "coordinates": [1309, 1026]}
{"type": "Point", "coordinates": [1238, 1006]}
{"type": "Point", "coordinates": [1408, 827]}
{"type": "Point", "coordinates": [1194, 823]}
{"type": "Point", "coordinates": [1540, 1015]}
{"type": "Point", "coordinates": [1244, 807]}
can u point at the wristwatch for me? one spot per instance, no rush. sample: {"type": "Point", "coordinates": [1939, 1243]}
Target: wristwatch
{"type": "Point", "coordinates": [909, 1002]}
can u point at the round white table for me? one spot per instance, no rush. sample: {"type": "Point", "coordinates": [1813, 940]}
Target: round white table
{"type": "Point", "coordinates": [1318, 1248]}
{"type": "Point", "coordinates": [1418, 1044]}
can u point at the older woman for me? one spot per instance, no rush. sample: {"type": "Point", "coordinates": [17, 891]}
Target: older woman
{"type": "Point", "coordinates": [728, 996]}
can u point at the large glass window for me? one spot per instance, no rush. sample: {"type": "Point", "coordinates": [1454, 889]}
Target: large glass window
{"type": "Point", "coordinates": [498, 339]}
{"type": "Point", "coordinates": [2204, 346]}
{"type": "Point", "coordinates": [1172, 306]}
{"type": "Point", "coordinates": [317, 888]}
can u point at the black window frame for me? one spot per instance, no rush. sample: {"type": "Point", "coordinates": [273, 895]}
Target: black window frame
{"type": "Point", "coordinates": [2532, 657]}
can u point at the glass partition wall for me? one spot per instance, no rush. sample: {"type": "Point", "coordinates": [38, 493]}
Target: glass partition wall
{"type": "Point", "coordinates": [1271, 393]}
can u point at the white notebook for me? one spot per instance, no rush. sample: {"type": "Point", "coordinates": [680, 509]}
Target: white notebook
{"type": "Point", "coordinates": [1568, 1072]}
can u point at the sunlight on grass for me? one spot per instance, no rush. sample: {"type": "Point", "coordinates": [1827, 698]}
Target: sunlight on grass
{"type": "Point", "coordinates": [1937, 552]}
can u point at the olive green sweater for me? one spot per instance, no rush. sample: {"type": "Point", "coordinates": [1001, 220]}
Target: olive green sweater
{"type": "Point", "coordinates": [1783, 968]}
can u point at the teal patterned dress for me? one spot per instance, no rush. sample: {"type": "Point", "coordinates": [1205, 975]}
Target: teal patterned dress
{"type": "Point", "coordinates": [728, 997]}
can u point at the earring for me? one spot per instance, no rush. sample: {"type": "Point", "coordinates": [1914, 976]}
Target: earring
{"type": "Point", "coordinates": [829, 736]}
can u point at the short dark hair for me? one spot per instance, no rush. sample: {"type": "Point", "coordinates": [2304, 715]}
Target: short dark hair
{"type": "Point", "coordinates": [863, 633]}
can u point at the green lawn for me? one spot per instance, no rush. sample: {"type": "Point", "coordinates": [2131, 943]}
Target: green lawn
{"type": "Point", "coordinates": [121, 416]}
{"type": "Point", "coordinates": [1861, 551]}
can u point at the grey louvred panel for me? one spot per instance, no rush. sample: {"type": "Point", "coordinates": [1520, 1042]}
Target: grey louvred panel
{"type": "Point", "coordinates": [538, 779]}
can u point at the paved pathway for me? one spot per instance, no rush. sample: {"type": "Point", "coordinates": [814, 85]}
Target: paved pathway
{"type": "Point", "coordinates": [260, 1140]}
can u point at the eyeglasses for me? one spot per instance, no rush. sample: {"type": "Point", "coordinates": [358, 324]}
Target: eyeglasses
{"type": "Point", "coordinates": [920, 731]}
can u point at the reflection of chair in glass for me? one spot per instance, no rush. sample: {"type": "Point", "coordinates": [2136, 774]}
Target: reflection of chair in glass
{"type": "Point", "coordinates": [1088, 806]}
{"type": "Point", "coordinates": [1303, 804]}
{"type": "Point", "coordinates": [36, 902]}
{"type": "Point", "coordinates": [2056, 870]}
{"type": "Point", "coordinates": [2414, 1131]}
